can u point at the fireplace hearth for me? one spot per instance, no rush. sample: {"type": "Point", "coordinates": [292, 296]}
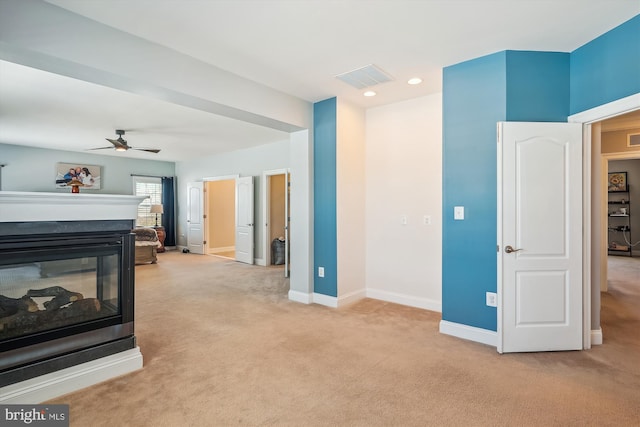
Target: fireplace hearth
{"type": "Point", "coordinates": [66, 284]}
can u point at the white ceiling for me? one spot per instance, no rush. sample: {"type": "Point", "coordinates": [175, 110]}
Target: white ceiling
{"type": "Point", "coordinates": [47, 110]}
{"type": "Point", "coordinates": [296, 47]}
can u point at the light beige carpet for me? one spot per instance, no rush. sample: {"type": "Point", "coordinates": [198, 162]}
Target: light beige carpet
{"type": "Point", "coordinates": [223, 346]}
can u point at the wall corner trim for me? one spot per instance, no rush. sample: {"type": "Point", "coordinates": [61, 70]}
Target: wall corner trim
{"type": "Point", "coordinates": [326, 300]}
{"type": "Point", "coordinates": [302, 297]}
{"type": "Point", "coordinates": [335, 302]}
{"type": "Point", "coordinates": [596, 336]}
{"type": "Point", "coordinates": [351, 297]}
{"type": "Point", "coordinates": [470, 333]}
{"type": "Point", "coordinates": [403, 299]}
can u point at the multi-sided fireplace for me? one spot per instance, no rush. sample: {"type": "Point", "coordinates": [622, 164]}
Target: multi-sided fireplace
{"type": "Point", "coordinates": [66, 287]}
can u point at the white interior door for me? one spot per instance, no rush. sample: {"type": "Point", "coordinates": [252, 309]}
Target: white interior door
{"type": "Point", "coordinates": [195, 214]}
{"type": "Point", "coordinates": [244, 219]}
{"type": "Point", "coordinates": [539, 237]}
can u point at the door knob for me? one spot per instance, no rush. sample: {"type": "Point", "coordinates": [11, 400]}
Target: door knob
{"type": "Point", "coordinates": [509, 249]}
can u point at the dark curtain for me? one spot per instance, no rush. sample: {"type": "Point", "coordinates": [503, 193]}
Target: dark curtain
{"type": "Point", "coordinates": [169, 206]}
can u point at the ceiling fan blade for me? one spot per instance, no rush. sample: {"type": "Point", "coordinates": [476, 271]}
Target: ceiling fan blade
{"type": "Point", "coordinates": [101, 148]}
{"type": "Point", "coordinates": [150, 150]}
{"type": "Point", "coordinates": [118, 143]}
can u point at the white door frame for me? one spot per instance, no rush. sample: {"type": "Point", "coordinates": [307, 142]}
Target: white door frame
{"type": "Point", "coordinates": [206, 204]}
{"type": "Point", "coordinates": [266, 176]}
{"type": "Point", "coordinates": [597, 114]}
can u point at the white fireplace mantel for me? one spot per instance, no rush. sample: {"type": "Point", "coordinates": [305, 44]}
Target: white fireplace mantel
{"type": "Point", "coordinates": [19, 206]}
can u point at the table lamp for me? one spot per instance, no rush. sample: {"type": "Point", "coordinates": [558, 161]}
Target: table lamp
{"type": "Point", "coordinates": [157, 209]}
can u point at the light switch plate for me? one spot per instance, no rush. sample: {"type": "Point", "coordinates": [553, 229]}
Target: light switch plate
{"type": "Point", "coordinates": [458, 212]}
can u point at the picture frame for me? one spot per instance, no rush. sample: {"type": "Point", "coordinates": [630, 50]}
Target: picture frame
{"type": "Point", "coordinates": [89, 175]}
{"type": "Point", "coordinates": [617, 182]}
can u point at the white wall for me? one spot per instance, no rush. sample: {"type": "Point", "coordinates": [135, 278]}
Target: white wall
{"type": "Point", "coordinates": [301, 168]}
{"type": "Point", "coordinates": [33, 169]}
{"type": "Point", "coordinates": [249, 162]}
{"type": "Point", "coordinates": [350, 202]}
{"type": "Point", "coordinates": [404, 177]}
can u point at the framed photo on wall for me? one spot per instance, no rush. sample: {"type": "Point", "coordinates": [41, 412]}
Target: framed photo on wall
{"type": "Point", "coordinates": [618, 182]}
{"type": "Point", "coordinates": [88, 175]}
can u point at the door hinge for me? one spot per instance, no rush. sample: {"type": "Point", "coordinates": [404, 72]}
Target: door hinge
{"type": "Point", "coordinates": [204, 216]}
{"type": "Point", "coordinates": [204, 242]}
{"type": "Point", "coordinates": [498, 248]}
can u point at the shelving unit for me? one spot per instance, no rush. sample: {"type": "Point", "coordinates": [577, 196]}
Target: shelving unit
{"type": "Point", "coordinates": [619, 224]}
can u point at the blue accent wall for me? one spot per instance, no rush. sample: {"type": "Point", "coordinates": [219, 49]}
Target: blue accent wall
{"type": "Point", "coordinates": [324, 196]}
{"type": "Point", "coordinates": [537, 86]}
{"type": "Point", "coordinates": [474, 99]}
{"type": "Point", "coordinates": [509, 85]}
{"type": "Point", "coordinates": [607, 68]}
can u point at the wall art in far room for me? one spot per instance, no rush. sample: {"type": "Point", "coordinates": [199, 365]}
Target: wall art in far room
{"type": "Point", "coordinates": [617, 182]}
{"type": "Point", "coordinates": [88, 175]}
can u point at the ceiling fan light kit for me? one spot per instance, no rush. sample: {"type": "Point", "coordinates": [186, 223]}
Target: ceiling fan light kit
{"type": "Point", "coordinates": [120, 144]}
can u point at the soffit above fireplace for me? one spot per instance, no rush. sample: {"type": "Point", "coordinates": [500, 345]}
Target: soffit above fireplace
{"type": "Point", "coordinates": [18, 206]}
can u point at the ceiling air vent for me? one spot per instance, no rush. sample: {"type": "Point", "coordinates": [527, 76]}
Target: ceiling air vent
{"type": "Point", "coordinates": [633, 140]}
{"type": "Point", "coordinates": [366, 76]}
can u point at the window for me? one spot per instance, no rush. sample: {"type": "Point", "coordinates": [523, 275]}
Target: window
{"type": "Point", "coordinates": [151, 187]}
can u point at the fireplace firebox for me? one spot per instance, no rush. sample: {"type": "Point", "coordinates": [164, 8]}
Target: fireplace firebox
{"type": "Point", "coordinates": [66, 294]}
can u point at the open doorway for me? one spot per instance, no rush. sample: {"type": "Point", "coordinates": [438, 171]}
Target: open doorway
{"type": "Point", "coordinates": [618, 213]}
{"type": "Point", "coordinates": [220, 216]}
{"type": "Point", "coordinates": [620, 201]}
{"type": "Point", "coordinates": [595, 210]}
{"type": "Point", "coordinates": [276, 233]}
{"type": "Point", "coordinates": [211, 207]}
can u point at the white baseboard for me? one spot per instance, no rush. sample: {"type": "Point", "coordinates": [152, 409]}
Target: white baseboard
{"type": "Point", "coordinates": [351, 297]}
{"type": "Point", "coordinates": [325, 300]}
{"type": "Point", "coordinates": [55, 384]}
{"type": "Point", "coordinates": [302, 297]}
{"type": "Point", "coordinates": [596, 336]}
{"type": "Point", "coordinates": [470, 333]}
{"type": "Point", "coordinates": [341, 301]}
{"type": "Point", "coordinates": [260, 261]}
{"type": "Point", "coordinates": [411, 301]}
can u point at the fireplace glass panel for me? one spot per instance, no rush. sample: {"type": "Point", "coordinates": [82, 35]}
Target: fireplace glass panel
{"type": "Point", "coordinates": [71, 287]}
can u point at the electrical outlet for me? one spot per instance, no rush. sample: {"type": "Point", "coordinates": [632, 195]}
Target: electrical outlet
{"type": "Point", "coordinates": [404, 220]}
{"type": "Point", "coordinates": [492, 299]}
{"type": "Point", "coordinates": [426, 220]}
{"type": "Point", "coordinates": [320, 271]}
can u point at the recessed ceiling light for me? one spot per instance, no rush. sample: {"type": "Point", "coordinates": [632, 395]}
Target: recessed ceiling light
{"type": "Point", "coordinates": [369, 93]}
{"type": "Point", "coordinates": [415, 81]}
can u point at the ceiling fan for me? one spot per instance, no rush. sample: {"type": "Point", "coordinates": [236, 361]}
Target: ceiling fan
{"type": "Point", "coordinates": [120, 144]}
